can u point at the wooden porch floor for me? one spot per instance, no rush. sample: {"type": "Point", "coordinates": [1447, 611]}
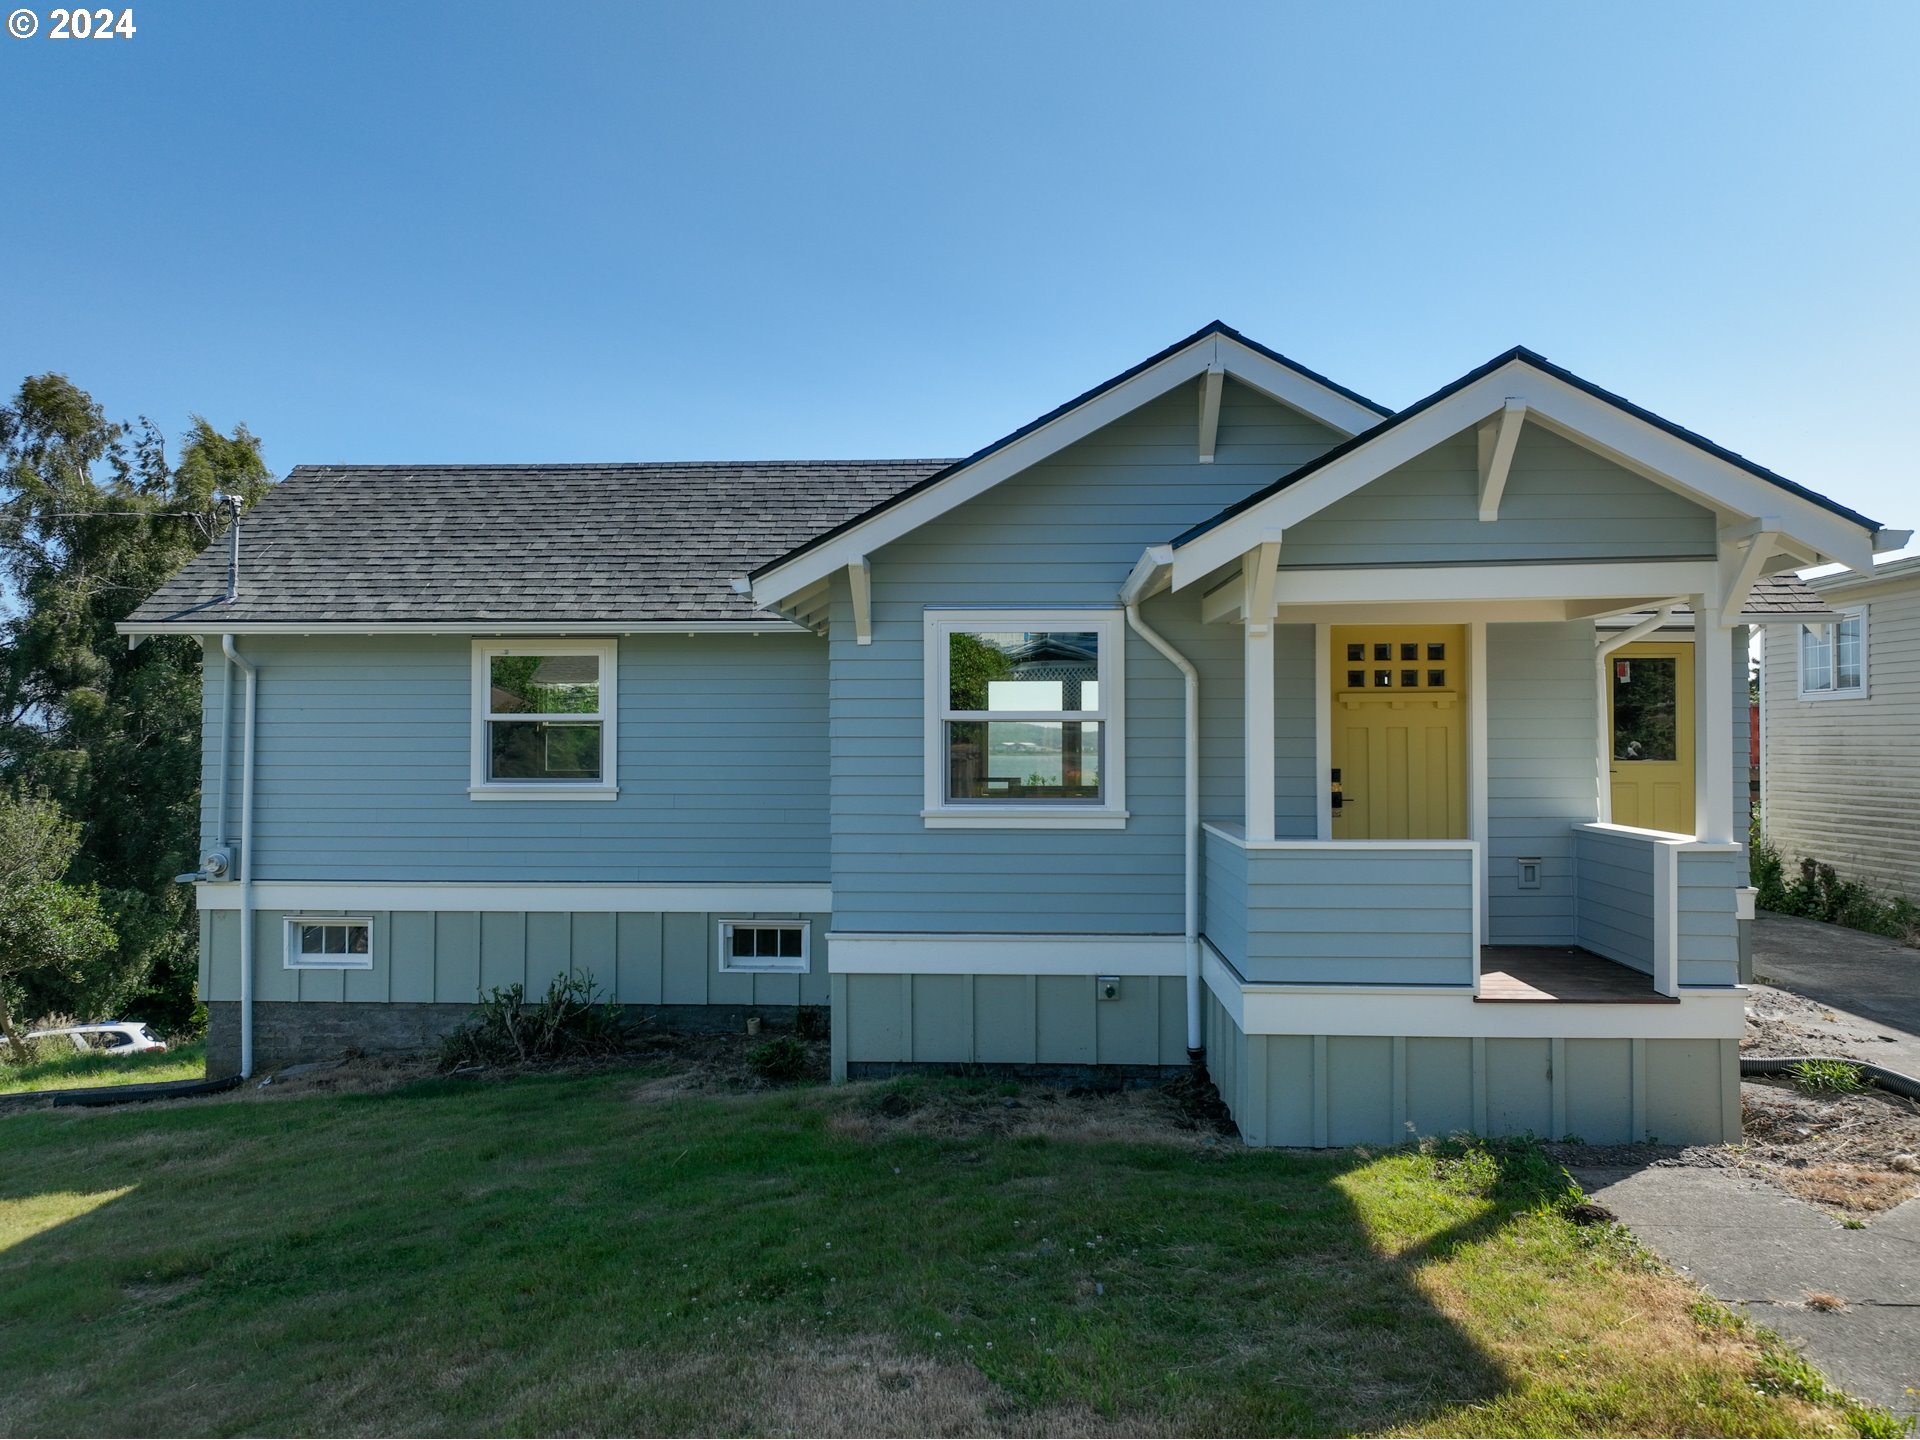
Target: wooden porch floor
{"type": "Point", "coordinates": [1523, 974]}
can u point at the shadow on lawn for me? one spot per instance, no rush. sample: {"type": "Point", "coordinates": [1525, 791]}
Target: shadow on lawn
{"type": "Point", "coordinates": [558, 1257]}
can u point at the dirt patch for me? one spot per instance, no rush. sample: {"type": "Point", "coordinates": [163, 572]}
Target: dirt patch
{"type": "Point", "coordinates": [1186, 1110]}
{"type": "Point", "coordinates": [1780, 1022]}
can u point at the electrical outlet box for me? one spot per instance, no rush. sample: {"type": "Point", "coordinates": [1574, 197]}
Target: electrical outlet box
{"type": "Point", "coordinates": [1529, 873]}
{"type": "Point", "coordinates": [1107, 987]}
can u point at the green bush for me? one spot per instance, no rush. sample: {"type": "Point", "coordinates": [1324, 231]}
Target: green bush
{"type": "Point", "coordinates": [780, 1061]}
{"type": "Point", "coordinates": [1817, 892]}
{"type": "Point", "coordinates": [569, 1022]}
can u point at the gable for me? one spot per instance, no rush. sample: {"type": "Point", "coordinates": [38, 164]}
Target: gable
{"type": "Point", "coordinates": [1562, 502]}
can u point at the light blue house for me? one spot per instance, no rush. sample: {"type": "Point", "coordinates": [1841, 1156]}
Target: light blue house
{"type": "Point", "coordinates": [1218, 712]}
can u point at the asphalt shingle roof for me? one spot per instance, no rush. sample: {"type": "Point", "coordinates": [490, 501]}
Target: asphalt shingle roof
{"type": "Point", "coordinates": [658, 542]}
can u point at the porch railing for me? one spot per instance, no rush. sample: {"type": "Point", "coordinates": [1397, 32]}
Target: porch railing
{"type": "Point", "coordinates": [1661, 904]}
{"type": "Point", "coordinates": [1353, 912]}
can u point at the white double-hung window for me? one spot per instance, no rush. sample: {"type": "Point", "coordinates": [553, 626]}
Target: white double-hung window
{"type": "Point", "coordinates": [1833, 657]}
{"type": "Point", "coordinates": [1024, 719]}
{"type": "Point", "coordinates": [543, 720]}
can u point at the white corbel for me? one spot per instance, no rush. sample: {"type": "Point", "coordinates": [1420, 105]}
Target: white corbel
{"type": "Point", "coordinates": [1259, 578]}
{"type": "Point", "coordinates": [1740, 570]}
{"type": "Point", "coordinates": [1498, 435]}
{"type": "Point", "coordinates": [1211, 384]}
{"type": "Point", "coordinates": [860, 585]}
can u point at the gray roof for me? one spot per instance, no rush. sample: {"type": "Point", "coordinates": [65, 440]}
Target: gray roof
{"type": "Point", "coordinates": [1783, 594]}
{"type": "Point", "coordinates": [392, 543]}
{"type": "Point", "coordinates": [1885, 570]}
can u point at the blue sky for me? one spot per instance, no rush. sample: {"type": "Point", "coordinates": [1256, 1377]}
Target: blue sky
{"type": "Point", "coordinates": [516, 232]}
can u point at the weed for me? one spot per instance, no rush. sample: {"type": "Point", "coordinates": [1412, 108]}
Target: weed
{"type": "Point", "coordinates": [570, 1021]}
{"type": "Point", "coordinates": [1818, 892]}
{"type": "Point", "coordinates": [779, 1061]}
{"type": "Point", "coordinates": [1829, 1077]}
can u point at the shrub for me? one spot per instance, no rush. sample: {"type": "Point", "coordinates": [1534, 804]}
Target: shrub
{"type": "Point", "coordinates": [779, 1061]}
{"type": "Point", "coordinates": [1817, 892]}
{"type": "Point", "coordinates": [1829, 1077]}
{"type": "Point", "coordinates": [569, 1022]}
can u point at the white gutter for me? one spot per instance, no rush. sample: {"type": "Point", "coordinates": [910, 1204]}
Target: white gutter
{"type": "Point", "coordinates": [1145, 578]}
{"type": "Point", "coordinates": [1604, 646]}
{"type": "Point", "coordinates": [245, 868]}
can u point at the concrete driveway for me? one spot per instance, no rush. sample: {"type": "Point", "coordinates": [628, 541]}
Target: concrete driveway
{"type": "Point", "coordinates": [1862, 974]}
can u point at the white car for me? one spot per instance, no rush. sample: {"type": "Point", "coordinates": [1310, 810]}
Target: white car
{"type": "Point", "coordinates": [121, 1037]}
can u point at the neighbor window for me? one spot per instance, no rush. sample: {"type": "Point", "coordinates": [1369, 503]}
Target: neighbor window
{"type": "Point", "coordinates": [329, 942]}
{"type": "Point", "coordinates": [1833, 657]}
{"type": "Point", "coordinates": [543, 722]}
{"type": "Point", "coordinates": [763, 944]}
{"type": "Point", "coordinates": [1024, 717]}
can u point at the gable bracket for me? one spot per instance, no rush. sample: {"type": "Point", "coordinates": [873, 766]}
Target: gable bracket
{"type": "Point", "coordinates": [860, 584]}
{"type": "Point", "coordinates": [1260, 578]}
{"type": "Point", "coordinates": [1739, 570]}
{"type": "Point", "coordinates": [1498, 434]}
{"type": "Point", "coordinates": [1211, 384]}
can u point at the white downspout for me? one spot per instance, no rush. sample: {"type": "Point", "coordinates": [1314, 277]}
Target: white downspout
{"type": "Point", "coordinates": [220, 835]}
{"type": "Point", "coordinates": [245, 867]}
{"type": "Point", "coordinates": [1196, 1038]}
{"type": "Point", "coordinates": [1604, 646]}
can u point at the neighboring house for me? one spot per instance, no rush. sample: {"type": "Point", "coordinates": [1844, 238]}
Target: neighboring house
{"type": "Point", "coordinates": [1840, 729]}
{"type": "Point", "coordinates": [1218, 711]}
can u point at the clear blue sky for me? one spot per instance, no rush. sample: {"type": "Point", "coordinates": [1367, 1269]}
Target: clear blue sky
{"type": "Point", "coordinates": [527, 231]}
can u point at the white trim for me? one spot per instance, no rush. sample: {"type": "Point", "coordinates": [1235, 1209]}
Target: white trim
{"type": "Point", "coordinates": [1713, 817]}
{"type": "Point", "coordinates": [293, 959]}
{"type": "Point", "coordinates": [1451, 1011]}
{"type": "Point", "coordinates": [1323, 731]}
{"type": "Point", "coordinates": [1497, 439]}
{"type": "Point", "coordinates": [778, 897]}
{"type": "Point", "coordinates": [1211, 384]}
{"type": "Point", "coordinates": [1598, 425]}
{"type": "Point", "coordinates": [1666, 919]}
{"type": "Point", "coordinates": [860, 588]}
{"type": "Point", "coordinates": [209, 623]}
{"type": "Point", "coordinates": [1110, 811]}
{"type": "Point", "coordinates": [771, 965]}
{"type": "Point", "coordinates": [1841, 614]}
{"type": "Point", "coordinates": [1449, 584]}
{"type": "Point", "coordinates": [1665, 837]}
{"type": "Point", "coordinates": [1745, 902]}
{"type": "Point", "coordinates": [867, 953]}
{"type": "Point", "coordinates": [480, 786]}
{"type": "Point", "coordinates": [1269, 377]}
{"type": "Point", "coordinates": [1479, 771]}
{"type": "Point", "coordinates": [1741, 570]}
{"type": "Point", "coordinates": [1259, 727]}
{"type": "Point", "coordinates": [1233, 835]}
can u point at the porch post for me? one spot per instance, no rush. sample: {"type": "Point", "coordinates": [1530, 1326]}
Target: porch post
{"type": "Point", "coordinates": [1713, 817]}
{"type": "Point", "coordinates": [1259, 730]}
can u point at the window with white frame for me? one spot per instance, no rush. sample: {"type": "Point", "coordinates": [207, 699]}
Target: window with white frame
{"type": "Point", "coordinates": [1833, 657]}
{"type": "Point", "coordinates": [329, 942]}
{"type": "Point", "coordinates": [764, 945]}
{"type": "Point", "coordinates": [1024, 713]}
{"type": "Point", "coordinates": [543, 719]}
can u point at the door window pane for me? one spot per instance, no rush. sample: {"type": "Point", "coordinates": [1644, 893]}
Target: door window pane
{"type": "Point", "coordinates": [1023, 670]}
{"type": "Point", "coordinates": [1644, 709]}
{"type": "Point", "coordinates": [1023, 759]}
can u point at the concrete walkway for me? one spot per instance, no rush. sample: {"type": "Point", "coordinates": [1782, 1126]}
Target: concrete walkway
{"type": "Point", "coordinates": [1753, 1246]}
{"type": "Point", "coordinates": [1845, 969]}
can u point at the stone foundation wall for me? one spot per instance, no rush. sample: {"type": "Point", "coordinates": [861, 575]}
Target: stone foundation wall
{"type": "Point", "coordinates": [287, 1032]}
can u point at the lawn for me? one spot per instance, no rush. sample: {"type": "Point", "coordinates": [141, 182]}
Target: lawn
{"type": "Point", "coordinates": [609, 1253]}
{"type": "Point", "coordinates": [75, 1070]}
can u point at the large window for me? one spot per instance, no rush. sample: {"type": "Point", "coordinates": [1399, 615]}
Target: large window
{"type": "Point", "coordinates": [1833, 657]}
{"type": "Point", "coordinates": [1024, 718]}
{"type": "Point", "coordinates": [543, 725]}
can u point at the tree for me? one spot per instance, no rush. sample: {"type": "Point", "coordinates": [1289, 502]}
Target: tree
{"type": "Point", "coordinates": [92, 520]}
{"type": "Point", "coordinates": [48, 929]}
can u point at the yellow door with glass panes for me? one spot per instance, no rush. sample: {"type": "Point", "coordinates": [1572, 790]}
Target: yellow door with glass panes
{"type": "Point", "coordinates": [1399, 732]}
{"type": "Point", "coordinates": [1651, 685]}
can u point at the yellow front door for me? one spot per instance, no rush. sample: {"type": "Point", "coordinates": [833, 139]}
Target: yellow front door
{"type": "Point", "coordinates": [1399, 731]}
{"type": "Point", "coordinates": [1652, 764]}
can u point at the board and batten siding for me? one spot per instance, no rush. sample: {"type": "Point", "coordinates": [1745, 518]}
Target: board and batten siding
{"type": "Point", "coordinates": [362, 766]}
{"type": "Point", "coordinates": [1064, 533]}
{"type": "Point", "coordinates": [1843, 775]}
{"type": "Point", "coordinates": [1562, 502]}
{"type": "Point", "coordinates": [457, 956]}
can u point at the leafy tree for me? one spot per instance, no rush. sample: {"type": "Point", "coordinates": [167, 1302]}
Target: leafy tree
{"type": "Point", "coordinates": [92, 520]}
{"type": "Point", "coordinates": [48, 929]}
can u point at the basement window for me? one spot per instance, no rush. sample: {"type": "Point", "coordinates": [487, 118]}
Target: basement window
{"type": "Point", "coordinates": [329, 942]}
{"type": "Point", "coordinates": [765, 945]}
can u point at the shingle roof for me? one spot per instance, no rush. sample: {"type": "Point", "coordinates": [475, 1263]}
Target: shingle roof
{"type": "Point", "coordinates": [1784, 594]}
{"type": "Point", "coordinates": [390, 543]}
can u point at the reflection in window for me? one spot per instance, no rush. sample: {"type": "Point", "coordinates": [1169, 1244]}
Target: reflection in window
{"type": "Point", "coordinates": [1645, 699]}
{"type": "Point", "coordinates": [1833, 656]}
{"type": "Point", "coordinates": [543, 717]}
{"type": "Point", "coordinates": [1023, 715]}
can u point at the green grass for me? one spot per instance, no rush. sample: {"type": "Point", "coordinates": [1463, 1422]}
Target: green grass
{"type": "Point", "coordinates": [75, 1070]}
{"type": "Point", "coordinates": [1829, 1077]}
{"type": "Point", "coordinates": [579, 1254]}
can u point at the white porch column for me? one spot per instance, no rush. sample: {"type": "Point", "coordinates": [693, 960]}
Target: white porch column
{"type": "Point", "coordinates": [1712, 724]}
{"type": "Point", "coordinates": [1259, 730]}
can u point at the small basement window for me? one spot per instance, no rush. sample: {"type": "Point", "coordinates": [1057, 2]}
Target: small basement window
{"type": "Point", "coordinates": [329, 942]}
{"type": "Point", "coordinates": [764, 944]}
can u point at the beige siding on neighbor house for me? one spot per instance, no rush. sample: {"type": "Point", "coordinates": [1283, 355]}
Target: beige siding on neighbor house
{"type": "Point", "coordinates": [1843, 775]}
